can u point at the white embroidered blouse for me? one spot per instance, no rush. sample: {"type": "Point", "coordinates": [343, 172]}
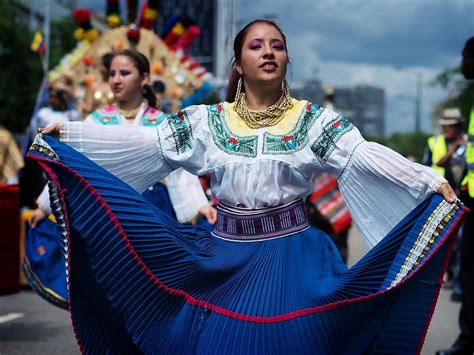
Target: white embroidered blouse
{"type": "Point", "coordinates": [185, 190]}
{"type": "Point", "coordinates": [268, 166]}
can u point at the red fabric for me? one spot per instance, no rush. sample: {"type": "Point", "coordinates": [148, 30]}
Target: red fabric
{"type": "Point", "coordinates": [187, 38]}
{"type": "Point", "coordinates": [9, 239]}
{"type": "Point", "coordinates": [170, 38]}
{"type": "Point", "coordinates": [82, 15]}
{"type": "Point", "coordinates": [328, 200]}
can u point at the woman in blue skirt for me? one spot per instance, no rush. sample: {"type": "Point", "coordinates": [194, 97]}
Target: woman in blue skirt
{"type": "Point", "coordinates": [263, 282]}
{"type": "Point", "coordinates": [180, 195]}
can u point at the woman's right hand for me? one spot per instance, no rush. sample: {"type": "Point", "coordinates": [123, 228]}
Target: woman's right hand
{"type": "Point", "coordinates": [36, 216]}
{"type": "Point", "coordinates": [53, 130]}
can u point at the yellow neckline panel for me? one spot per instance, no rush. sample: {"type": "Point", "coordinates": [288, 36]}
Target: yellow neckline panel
{"type": "Point", "coordinates": [238, 126]}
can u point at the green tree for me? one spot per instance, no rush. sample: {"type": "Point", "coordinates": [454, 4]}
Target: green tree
{"type": "Point", "coordinates": [461, 91]}
{"type": "Point", "coordinates": [62, 40]}
{"type": "Point", "coordinates": [21, 68]}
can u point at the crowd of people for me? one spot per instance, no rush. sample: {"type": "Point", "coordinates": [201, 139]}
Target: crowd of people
{"type": "Point", "coordinates": [152, 266]}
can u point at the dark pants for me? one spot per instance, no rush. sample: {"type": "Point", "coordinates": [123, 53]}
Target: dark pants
{"type": "Point", "coordinates": [466, 315]}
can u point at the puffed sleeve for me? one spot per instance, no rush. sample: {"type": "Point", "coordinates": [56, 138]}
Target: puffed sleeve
{"type": "Point", "coordinates": [379, 186]}
{"type": "Point", "coordinates": [186, 194]}
{"type": "Point", "coordinates": [142, 156]}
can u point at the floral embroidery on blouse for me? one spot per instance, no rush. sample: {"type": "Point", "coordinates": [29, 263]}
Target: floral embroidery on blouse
{"type": "Point", "coordinates": [107, 116]}
{"type": "Point", "coordinates": [297, 138]}
{"type": "Point", "coordinates": [152, 117]}
{"type": "Point", "coordinates": [325, 144]}
{"type": "Point", "coordinates": [225, 139]}
{"type": "Point", "coordinates": [182, 131]}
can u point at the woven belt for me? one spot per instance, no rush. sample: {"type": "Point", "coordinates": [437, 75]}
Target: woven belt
{"type": "Point", "coordinates": [245, 224]}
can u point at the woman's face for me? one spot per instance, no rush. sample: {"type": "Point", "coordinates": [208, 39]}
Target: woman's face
{"type": "Point", "coordinates": [125, 79]}
{"type": "Point", "coordinates": [264, 57]}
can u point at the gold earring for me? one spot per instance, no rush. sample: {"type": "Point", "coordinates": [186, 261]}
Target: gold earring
{"type": "Point", "coordinates": [238, 93]}
{"type": "Point", "coordinates": [286, 92]}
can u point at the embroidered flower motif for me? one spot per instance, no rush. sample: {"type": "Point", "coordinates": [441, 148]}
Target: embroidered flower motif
{"type": "Point", "coordinates": [309, 107]}
{"type": "Point", "coordinates": [181, 115]}
{"type": "Point", "coordinates": [231, 143]}
{"type": "Point", "coordinates": [219, 107]}
{"type": "Point", "coordinates": [289, 141]}
{"type": "Point", "coordinates": [336, 124]}
{"type": "Point", "coordinates": [106, 119]}
{"type": "Point", "coordinates": [152, 120]}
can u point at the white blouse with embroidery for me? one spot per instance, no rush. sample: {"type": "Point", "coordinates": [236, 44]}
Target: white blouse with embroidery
{"type": "Point", "coordinates": [186, 193]}
{"type": "Point", "coordinates": [268, 166]}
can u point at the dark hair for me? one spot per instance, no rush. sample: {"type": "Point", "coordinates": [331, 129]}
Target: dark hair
{"type": "Point", "coordinates": [238, 45]}
{"type": "Point", "coordinates": [60, 94]}
{"type": "Point", "coordinates": [142, 64]}
{"type": "Point", "coordinates": [467, 64]}
{"type": "Point", "coordinates": [106, 60]}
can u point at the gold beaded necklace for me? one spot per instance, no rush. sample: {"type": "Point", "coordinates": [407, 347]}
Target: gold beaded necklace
{"type": "Point", "coordinates": [129, 114]}
{"type": "Point", "coordinates": [271, 116]}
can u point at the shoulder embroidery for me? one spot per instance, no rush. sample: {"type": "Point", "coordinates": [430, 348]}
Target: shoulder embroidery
{"type": "Point", "coordinates": [325, 144]}
{"type": "Point", "coordinates": [107, 116]}
{"type": "Point", "coordinates": [182, 131]}
{"type": "Point", "coordinates": [225, 139]}
{"type": "Point", "coordinates": [297, 138]}
{"type": "Point", "coordinates": [152, 117]}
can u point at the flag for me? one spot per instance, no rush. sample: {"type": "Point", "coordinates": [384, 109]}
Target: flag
{"type": "Point", "coordinates": [38, 44]}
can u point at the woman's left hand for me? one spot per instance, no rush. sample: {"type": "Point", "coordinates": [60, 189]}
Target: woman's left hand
{"type": "Point", "coordinates": [448, 193]}
{"type": "Point", "coordinates": [209, 212]}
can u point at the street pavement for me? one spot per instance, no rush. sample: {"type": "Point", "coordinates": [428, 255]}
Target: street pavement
{"type": "Point", "coordinates": [30, 325]}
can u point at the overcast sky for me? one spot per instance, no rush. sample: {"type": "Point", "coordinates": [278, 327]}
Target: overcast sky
{"type": "Point", "coordinates": [351, 42]}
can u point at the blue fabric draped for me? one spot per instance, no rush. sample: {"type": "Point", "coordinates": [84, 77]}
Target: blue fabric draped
{"type": "Point", "coordinates": [44, 264]}
{"type": "Point", "coordinates": [140, 282]}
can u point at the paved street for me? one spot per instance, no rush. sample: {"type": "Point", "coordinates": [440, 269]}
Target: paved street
{"type": "Point", "coordinates": [29, 325]}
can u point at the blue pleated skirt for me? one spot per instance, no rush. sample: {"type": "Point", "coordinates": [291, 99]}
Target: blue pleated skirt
{"type": "Point", "coordinates": [140, 282]}
{"type": "Point", "coordinates": [44, 263]}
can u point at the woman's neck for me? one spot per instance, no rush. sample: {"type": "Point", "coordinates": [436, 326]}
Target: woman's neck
{"type": "Point", "coordinates": [130, 104]}
{"type": "Point", "coordinates": [260, 97]}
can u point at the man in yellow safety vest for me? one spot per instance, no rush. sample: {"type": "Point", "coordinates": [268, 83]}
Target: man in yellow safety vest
{"type": "Point", "coordinates": [445, 152]}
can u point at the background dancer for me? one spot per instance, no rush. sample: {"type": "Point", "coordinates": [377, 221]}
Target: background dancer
{"type": "Point", "coordinates": [182, 197]}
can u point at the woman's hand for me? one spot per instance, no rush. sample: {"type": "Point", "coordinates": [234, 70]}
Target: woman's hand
{"type": "Point", "coordinates": [447, 191]}
{"type": "Point", "coordinates": [36, 216]}
{"type": "Point", "coordinates": [209, 213]}
{"type": "Point", "coordinates": [53, 130]}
